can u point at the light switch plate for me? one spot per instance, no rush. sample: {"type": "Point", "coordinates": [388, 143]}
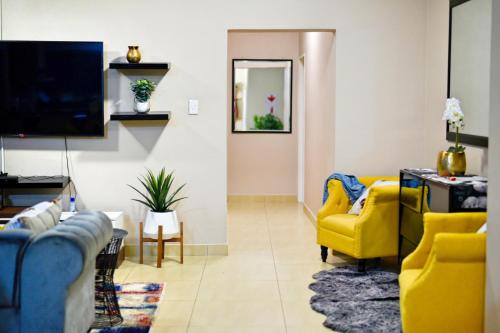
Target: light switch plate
{"type": "Point", "coordinates": [193, 106]}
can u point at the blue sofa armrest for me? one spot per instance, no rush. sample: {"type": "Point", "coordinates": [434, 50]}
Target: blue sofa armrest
{"type": "Point", "coordinates": [58, 270]}
{"type": "Point", "coordinates": [12, 244]}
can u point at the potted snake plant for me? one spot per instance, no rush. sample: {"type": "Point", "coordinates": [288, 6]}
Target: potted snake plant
{"type": "Point", "coordinates": [159, 196]}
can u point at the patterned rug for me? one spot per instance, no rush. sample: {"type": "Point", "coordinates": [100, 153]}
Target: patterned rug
{"type": "Point", "coordinates": [357, 302]}
{"type": "Point", "coordinates": [138, 303]}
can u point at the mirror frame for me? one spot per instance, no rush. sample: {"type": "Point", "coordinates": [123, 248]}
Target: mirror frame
{"type": "Point", "coordinates": [233, 130]}
{"type": "Point", "coordinates": [470, 139]}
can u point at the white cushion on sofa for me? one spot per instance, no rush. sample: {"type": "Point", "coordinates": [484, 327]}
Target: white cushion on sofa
{"type": "Point", "coordinates": [37, 218]}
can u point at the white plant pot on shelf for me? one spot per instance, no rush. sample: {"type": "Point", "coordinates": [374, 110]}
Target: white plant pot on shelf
{"type": "Point", "coordinates": [168, 220]}
{"type": "Point", "coordinates": [142, 107]}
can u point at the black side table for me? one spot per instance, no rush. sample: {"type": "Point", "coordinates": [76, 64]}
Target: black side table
{"type": "Point", "coordinates": [420, 192]}
{"type": "Point", "coordinates": [107, 310]}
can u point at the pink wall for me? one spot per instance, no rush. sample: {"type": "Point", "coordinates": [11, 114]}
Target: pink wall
{"type": "Point", "coordinates": [262, 164]}
{"type": "Point", "coordinates": [318, 49]}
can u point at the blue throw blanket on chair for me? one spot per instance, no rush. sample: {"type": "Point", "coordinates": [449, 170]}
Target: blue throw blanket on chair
{"type": "Point", "coordinates": [352, 187]}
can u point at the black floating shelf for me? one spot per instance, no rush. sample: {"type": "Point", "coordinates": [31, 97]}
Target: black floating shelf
{"type": "Point", "coordinates": [158, 115]}
{"type": "Point", "coordinates": [165, 66]}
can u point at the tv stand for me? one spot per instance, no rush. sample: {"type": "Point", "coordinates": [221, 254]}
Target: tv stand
{"type": "Point", "coordinates": [27, 182]}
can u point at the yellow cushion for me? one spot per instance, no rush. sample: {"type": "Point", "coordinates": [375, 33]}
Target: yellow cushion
{"type": "Point", "coordinates": [340, 223]}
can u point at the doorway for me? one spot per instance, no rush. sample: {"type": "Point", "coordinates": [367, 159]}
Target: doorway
{"type": "Point", "coordinates": [293, 165]}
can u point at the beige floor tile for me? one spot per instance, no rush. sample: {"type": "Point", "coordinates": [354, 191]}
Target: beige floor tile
{"type": "Point", "coordinates": [295, 290]}
{"type": "Point", "coordinates": [181, 290]}
{"type": "Point", "coordinates": [173, 313]}
{"type": "Point", "coordinates": [235, 314]}
{"type": "Point", "coordinates": [240, 271]}
{"type": "Point", "coordinates": [308, 329]}
{"type": "Point", "coordinates": [249, 244]}
{"type": "Point", "coordinates": [161, 328]}
{"type": "Point", "coordinates": [296, 256]}
{"type": "Point", "coordinates": [121, 274]}
{"type": "Point", "coordinates": [236, 329]}
{"type": "Point", "coordinates": [299, 313]}
{"type": "Point", "coordinates": [249, 257]}
{"type": "Point", "coordinates": [300, 272]}
{"type": "Point", "coordinates": [168, 261]}
{"type": "Point", "coordinates": [238, 290]}
{"type": "Point", "coordinates": [146, 273]}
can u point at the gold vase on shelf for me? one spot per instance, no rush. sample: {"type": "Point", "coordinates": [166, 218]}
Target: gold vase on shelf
{"type": "Point", "coordinates": [133, 54]}
{"type": "Point", "coordinates": [442, 164]}
{"type": "Point", "coordinates": [457, 163]}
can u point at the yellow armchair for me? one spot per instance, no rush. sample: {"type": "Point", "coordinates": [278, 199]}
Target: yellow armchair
{"type": "Point", "coordinates": [442, 282]}
{"type": "Point", "coordinates": [371, 234]}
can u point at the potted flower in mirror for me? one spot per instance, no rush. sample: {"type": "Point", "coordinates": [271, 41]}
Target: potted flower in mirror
{"type": "Point", "coordinates": [142, 89]}
{"type": "Point", "coordinates": [160, 197]}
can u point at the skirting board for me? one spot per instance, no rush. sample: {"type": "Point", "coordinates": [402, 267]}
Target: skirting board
{"type": "Point", "coordinates": [173, 250]}
{"type": "Point", "coordinates": [310, 215]}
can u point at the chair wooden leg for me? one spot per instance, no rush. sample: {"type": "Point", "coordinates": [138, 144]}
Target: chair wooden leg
{"type": "Point", "coordinates": [159, 255]}
{"type": "Point", "coordinates": [141, 243]}
{"type": "Point", "coordinates": [324, 253]}
{"type": "Point", "coordinates": [182, 243]}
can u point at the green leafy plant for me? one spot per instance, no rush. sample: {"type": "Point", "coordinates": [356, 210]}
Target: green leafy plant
{"type": "Point", "coordinates": [160, 194]}
{"type": "Point", "coordinates": [143, 89]}
{"type": "Point", "coordinates": [267, 122]}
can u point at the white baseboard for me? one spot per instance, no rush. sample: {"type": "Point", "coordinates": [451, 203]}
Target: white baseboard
{"type": "Point", "coordinates": [310, 214]}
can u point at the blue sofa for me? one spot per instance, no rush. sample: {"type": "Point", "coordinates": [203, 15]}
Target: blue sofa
{"type": "Point", "coordinates": [47, 276]}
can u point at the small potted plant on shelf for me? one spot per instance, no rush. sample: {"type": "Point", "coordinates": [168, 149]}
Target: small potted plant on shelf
{"type": "Point", "coordinates": [160, 197]}
{"type": "Point", "coordinates": [142, 89]}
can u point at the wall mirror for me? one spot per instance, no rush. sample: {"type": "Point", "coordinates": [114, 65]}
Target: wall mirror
{"type": "Point", "coordinates": [469, 67]}
{"type": "Point", "coordinates": [262, 96]}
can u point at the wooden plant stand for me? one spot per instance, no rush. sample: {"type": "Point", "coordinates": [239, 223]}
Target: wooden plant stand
{"type": "Point", "coordinates": [161, 244]}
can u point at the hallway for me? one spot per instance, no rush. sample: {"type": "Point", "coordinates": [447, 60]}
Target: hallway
{"type": "Point", "coordinates": [262, 286]}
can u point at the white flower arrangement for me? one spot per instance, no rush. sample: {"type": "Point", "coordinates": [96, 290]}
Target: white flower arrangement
{"type": "Point", "coordinates": [454, 115]}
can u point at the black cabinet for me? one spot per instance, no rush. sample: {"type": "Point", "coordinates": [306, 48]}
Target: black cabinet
{"type": "Point", "coordinates": [422, 191]}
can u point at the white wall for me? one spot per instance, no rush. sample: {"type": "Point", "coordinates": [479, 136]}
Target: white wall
{"type": "Point", "coordinates": [436, 71]}
{"type": "Point", "coordinates": [493, 243]}
{"type": "Point", "coordinates": [380, 91]}
{"type": "Point", "coordinates": [318, 49]}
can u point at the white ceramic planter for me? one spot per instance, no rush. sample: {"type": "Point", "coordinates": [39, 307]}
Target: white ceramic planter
{"type": "Point", "coordinates": [142, 107]}
{"type": "Point", "coordinates": [168, 220]}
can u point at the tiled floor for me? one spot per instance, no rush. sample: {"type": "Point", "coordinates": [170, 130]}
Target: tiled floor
{"type": "Point", "coordinates": [262, 286]}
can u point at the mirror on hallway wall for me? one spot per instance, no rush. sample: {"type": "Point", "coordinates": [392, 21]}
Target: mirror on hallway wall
{"type": "Point", "coordinates": [262, 96]}
{"type": "Point", "coordinates": [469, 67]}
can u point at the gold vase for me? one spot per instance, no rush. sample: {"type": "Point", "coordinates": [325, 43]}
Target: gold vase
{"type": "Point", "coordinates": [456, 164]}
{"type": "Point", "coordinates": [442, 164]}
{"type": "Point", "coordinates": [133, 54]}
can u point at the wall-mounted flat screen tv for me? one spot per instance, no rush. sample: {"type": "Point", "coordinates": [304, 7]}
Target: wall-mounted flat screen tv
{"type": "Point", "coordinates": [50, 88]}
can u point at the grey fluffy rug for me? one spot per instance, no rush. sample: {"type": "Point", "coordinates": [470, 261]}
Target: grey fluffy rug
{"type": "Point", "coordinates": [357, 302]}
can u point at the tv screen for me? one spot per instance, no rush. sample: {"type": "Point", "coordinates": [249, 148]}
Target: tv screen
{"type": "Point", "coordinates": [51, 88]}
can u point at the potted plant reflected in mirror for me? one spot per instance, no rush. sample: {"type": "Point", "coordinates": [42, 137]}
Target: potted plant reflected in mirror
{"type": "Point", "coordinates": [159, 196]}
{"type": "Point", "coordinates": [142, 89]}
